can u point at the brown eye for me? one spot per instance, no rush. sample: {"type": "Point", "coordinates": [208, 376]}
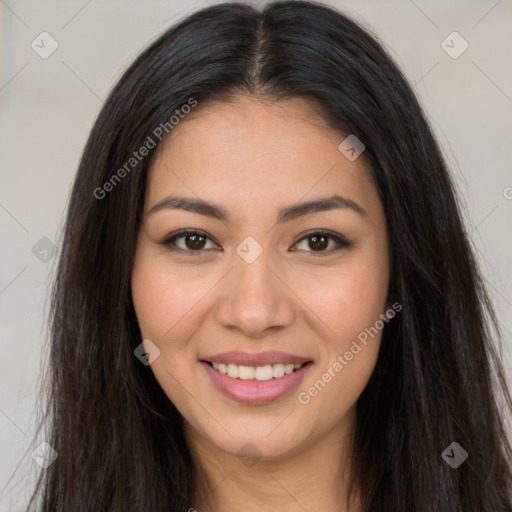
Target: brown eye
{"type": "Point", "coordinates": [189, 241]}
{"type": "Point", "coordinates": [321, 242]}
{"type": "Point", "coordinates": [194, 242]}
{"type": "Point", "coordinates": [318, 243]}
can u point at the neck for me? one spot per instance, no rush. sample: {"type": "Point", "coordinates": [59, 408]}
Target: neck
{"type": "Point", "coordinates": [312, 478]}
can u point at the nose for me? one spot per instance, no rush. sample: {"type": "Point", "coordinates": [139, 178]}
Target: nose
{"type": "Point", "coordinates": [256, 299]}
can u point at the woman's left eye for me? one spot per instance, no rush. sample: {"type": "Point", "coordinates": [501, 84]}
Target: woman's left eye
{"type": "Point", "coordinates": [319, 241]}
{"type": "Point", "coordinates": [197, 241]}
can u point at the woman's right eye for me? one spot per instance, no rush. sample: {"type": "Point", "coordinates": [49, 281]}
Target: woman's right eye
{"type": "Point", "coordinates": [188, 241]}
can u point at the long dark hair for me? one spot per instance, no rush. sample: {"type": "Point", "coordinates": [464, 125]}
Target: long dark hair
{"type": "Point", "coordinates": [438, 377]}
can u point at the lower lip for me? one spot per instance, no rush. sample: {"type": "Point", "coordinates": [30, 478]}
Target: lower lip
{"type": "Point", "coordinates": [256, 392]}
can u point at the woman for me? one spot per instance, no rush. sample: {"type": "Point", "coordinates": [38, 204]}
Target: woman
{"type": "Point", "coordinates": [266, 297]}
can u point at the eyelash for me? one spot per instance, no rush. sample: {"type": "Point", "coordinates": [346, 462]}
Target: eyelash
{"type": "Point", "coordinates": [170, 240]}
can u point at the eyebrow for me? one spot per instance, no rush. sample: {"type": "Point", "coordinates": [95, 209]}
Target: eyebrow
{"type": "Point", "coordinates": [286, 214]}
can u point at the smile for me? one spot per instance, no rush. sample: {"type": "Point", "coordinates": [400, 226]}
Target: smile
{"type": "Point", "coordinates": [256, 379]}
{"type": "Point", "coordinates": [262, 373]}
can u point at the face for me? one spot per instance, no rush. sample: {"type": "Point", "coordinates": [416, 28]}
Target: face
{"type": "Point", "coordinates": [268, 311]}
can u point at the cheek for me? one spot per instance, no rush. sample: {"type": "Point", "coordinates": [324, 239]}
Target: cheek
{"type": "Point", "coordinates": [164, 297]}
{"type": "Point", "coordinates": [167, 305]}
{"type": "Point", "coordinates": [350, 303]}
{"type": "Point", "coordinates": [153, 293]}
{"type": "Point", "coordinates": [353, 298]}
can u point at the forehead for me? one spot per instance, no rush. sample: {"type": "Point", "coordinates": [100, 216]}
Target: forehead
{"type": "Point", "coordinates": [252, 153]}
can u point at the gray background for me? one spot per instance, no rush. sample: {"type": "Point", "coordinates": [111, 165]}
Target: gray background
{"type": "Point", "coordinates": [48, 106]}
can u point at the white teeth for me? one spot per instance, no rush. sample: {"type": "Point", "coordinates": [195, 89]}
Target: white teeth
{"type": "Point", "coordinates": [278, 370]}
{"type": "Point", "coordinates": [246, 372]}
{"type": "Point", "coordinates": [264, 372]}
{"type": "Point", "coordinates": [288, 368]}
{"type": "Point", "coordinates": [267, 372]}
{"type": "Point", "coordinates": [233, 370]}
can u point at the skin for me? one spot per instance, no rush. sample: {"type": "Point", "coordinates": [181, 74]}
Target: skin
{"type": "Point", "coordinates": [253, 158]}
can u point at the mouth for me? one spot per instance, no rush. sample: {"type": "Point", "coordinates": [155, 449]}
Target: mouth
{"type": "Point", "coordinates": [260, 380]}
{"type": "Point", "coordinates": [259, 373]}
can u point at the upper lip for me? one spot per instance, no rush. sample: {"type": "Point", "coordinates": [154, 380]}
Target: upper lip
{"type": "Point", "coordinates": [255, 359]}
